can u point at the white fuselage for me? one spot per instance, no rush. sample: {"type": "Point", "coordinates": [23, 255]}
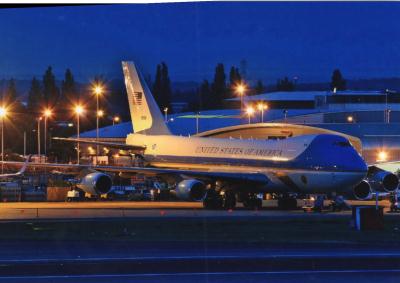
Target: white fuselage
{"type": "Point", "coordinates": [273, 158]}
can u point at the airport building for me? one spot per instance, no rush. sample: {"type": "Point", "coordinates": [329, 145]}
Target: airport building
{"type": "Point", "coordinates": [372, 117]}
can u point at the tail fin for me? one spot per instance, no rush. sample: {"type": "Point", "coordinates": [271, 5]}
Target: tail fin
{"type": "Point", "coordinates": [145, 114]}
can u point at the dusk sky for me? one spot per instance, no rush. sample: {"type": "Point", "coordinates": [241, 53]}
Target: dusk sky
{"type": "Point", "coordinates": [307, 40]}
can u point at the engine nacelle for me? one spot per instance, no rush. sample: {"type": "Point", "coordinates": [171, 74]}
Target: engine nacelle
{"type": "Point", "coordinates": [95, 183]}
{"type": "Point", "coordinates": [383, 181]}
{"type": "Point", "coordinates": [362, 191]}
{"type": "Point", "coordinates": [190, 190]}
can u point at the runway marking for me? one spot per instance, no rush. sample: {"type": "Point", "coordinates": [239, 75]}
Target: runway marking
{"type": "Point", "coordinates": [301, 272]}
{"type": "Point", "coordinates": [271, 256]}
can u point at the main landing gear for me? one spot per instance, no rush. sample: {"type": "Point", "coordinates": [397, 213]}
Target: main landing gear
{"type": "Point", "coordinates": [215, 200]}
{"type": "Point", "coordinates": [227, 200]}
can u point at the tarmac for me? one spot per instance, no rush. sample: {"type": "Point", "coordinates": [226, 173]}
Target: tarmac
{"type": "Point", "coordinates": [24, 261]}
{"type": "Point", "coordinates": [204, 261]}
{"type": "Point", "coordinates": [116, 209]}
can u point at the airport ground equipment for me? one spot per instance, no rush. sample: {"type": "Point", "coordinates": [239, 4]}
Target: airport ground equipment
{"type": "Point", "coordinates": [73, 195]}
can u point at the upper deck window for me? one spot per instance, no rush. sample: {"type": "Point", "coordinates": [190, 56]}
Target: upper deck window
{"type": "Point", "coordinates": [342, 143]}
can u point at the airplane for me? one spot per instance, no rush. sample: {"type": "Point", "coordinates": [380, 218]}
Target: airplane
{"type": "Point", "coordinates": [221, 172]}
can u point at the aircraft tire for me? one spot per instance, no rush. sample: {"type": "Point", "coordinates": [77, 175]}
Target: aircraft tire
{"type": "Point", "coordinates": [212, 200]}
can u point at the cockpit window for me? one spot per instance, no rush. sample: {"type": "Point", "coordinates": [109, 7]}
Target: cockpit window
{"type": "Point", "coordinates": [342, 144]}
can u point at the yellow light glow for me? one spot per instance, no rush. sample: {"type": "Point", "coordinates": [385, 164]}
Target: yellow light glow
{"type": "Point", "coordinates": [250, 110]}
{"type": "Point", "coordinates": [116, 119]}
{"type": "Point", "coordinates": [100, 113]}
{"type": "Point", "coordinates": [350, 119]}
{"type": "Point", "coordinates": [382, 156]}
{"type": "Point", "coordinates": [240, 88]}
{"type": "Point", "coordinates": [262, 106]}
{"type": "Point", "coordinates": [47, 113]}
{"type": "Point", "coordinates": [98, 89]}
{"type": "Point", "coordinates": [3, 112]}
{"type": "Point", "coordinates": [79, 109]}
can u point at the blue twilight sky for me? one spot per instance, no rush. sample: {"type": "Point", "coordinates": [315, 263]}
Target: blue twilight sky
{"type": "Point", "coordinates": [307, 40]}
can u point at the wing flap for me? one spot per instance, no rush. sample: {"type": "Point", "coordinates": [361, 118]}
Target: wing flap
{"type": "Point", "coordinates": [107, 144]}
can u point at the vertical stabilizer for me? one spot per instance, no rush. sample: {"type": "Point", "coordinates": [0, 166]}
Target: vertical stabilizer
{"type": "Point", "coordinates": [145, 114]}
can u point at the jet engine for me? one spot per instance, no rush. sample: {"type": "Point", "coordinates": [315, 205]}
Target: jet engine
{"type": "Point", "coordinates": [362, 191]}
{"type": "Point", "coordinates": [381, 180]}
{"type": "Point", "coordinates": [95, 183]}
{"type": "Point", "coordinates": [190, 190]}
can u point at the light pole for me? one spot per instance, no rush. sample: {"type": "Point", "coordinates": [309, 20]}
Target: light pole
{"type": "Point", "coordinates": [47, 113]}
{"type": "Point", "coordinates": [386, 104]}
{"type": "Point", "coordinates": [38, 138]}
{"type": "Point", "coordinates": [250, 112]}
{"type": "Point", "coordinates": [3, 113]}
{"type": "Point", "coordinates": [166, 114]}
{"type": "Point", "coordinates": [24, 143]}
{"type": "Point", "coordinates": [116, 119]}
{"type": "Point", "coordinates": [261, 106]}
{"type": "Point", "coordinates": [240, 89]}
{"type": "Point", "coordinates": [78, 112]}
{"type": "Point", "coordinates": [197, 122]}
{"type": "Point", "coordinates": [98, 91]}
{"type": "Point", "coordinates": [100, 114]}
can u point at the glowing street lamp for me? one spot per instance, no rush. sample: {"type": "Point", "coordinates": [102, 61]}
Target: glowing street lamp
{"type": "Point", "coordinates": [261, 107]}
{"type": "Point", "coordinates": [78, 111]}
{"type": "Point", "coordinates": [382, 156]}
{"type": "Point", "coordinates": [98, 90]}
{"type": "Point", "coordinates": [116, 119]}
{"type": "Point", "coordinates": [250, 112]}
{"type": "Point", "coordinates": [240, 89]}
{"type": "Point", "coordinates": [47, 113]}
{"type": "Point", "coordinates": [3, 114]}
{"type": "Point", "coordinates": [350, 119]}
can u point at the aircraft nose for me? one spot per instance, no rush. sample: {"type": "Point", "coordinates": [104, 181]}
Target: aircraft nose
{"type": "Point", "coordinates": [337, 154]}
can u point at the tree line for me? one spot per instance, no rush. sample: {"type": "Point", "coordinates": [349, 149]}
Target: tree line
{"type": "Point", "coordinates": [211, 95]}
{"type": "Point", "coordinates": [23, 118]}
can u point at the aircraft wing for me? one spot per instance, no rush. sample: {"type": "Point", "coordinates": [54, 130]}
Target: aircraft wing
{"type": "Point", "coordinates": [107, 144]}
{"type": "Point", "coordinates": [17, 174]}
{"type": "Point", "coordinates": [391, 166]}
{"type": "Point", "coordinates": [228, 176]}
{"type": "Point", "coordinates": [205, 175]}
